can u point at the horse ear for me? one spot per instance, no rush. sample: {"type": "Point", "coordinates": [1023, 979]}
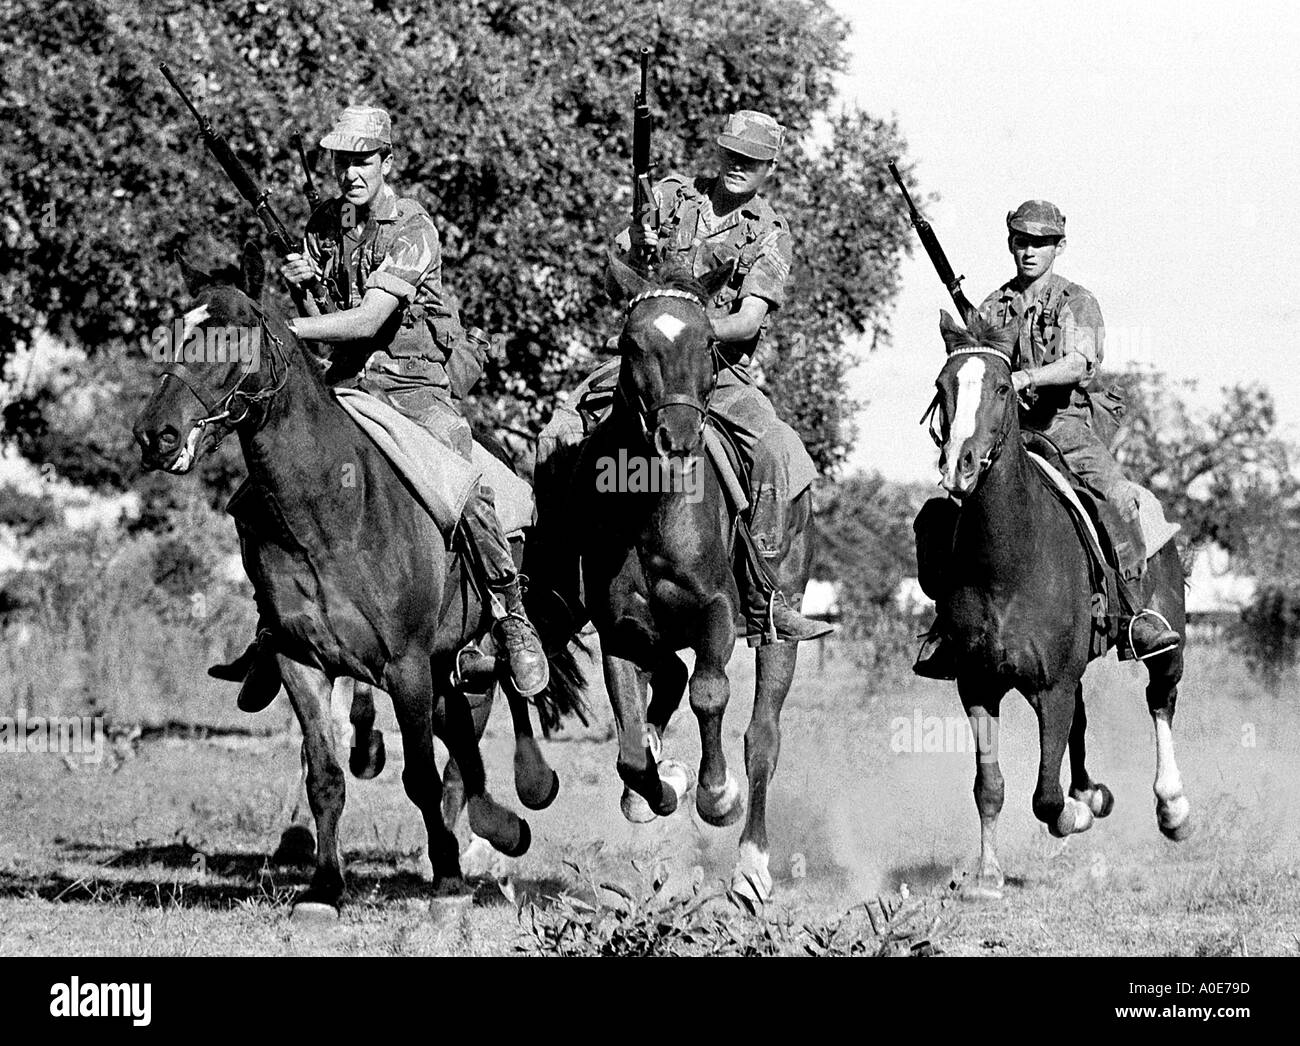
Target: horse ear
{"type": "Point", "coordinates": [252, 271]}
{"type": "Point", "coordinates": [195, 279]}
{"type": "Point", "coordinates": [716, 278]}
{"type": "Point", "coordinates": [622, 281]}
{"type": "Point", "coordinates": [954, 334]}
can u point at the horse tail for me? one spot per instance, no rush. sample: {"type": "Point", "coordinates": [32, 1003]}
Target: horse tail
{"type": "Point", "coordinates": [564, 696]}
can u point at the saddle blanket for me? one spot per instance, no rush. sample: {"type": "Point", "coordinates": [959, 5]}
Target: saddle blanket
{"type": "Point", "coordinates": [1156, 530]}
{"type": "Point", "coordinates": [441, 479]}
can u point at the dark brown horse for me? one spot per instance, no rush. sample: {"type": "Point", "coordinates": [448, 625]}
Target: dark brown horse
{"type": "Point", "coordinates": [1017, 593]}
{"type": "Point", "coordinates": [354, 577]}
{"type": "Point", "coordinates": [657, 570]}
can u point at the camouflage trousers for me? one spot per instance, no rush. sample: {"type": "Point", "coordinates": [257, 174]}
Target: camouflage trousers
{"type": "Point", "coordinates": [779, 467]}
{"type": "Point", "coordinates": [1091, 460]}
{"type": "Point", "coordinates": [434, 410]}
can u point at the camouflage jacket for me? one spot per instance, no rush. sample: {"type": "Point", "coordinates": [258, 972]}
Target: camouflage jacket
{"type": "Point", "coordinates": [1058, 318]}
{"type": "Point", "coordinates": [753, 234]}
{"type": "Point", "coordinates": [398, 251]}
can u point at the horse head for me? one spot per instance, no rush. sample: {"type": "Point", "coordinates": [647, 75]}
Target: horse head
{"type": "Point", "coordinates": [216, 376]}
{"type": "Point", "coordinates": [669, 365]}
{"type": "Point", "coordinates": [975, 400]}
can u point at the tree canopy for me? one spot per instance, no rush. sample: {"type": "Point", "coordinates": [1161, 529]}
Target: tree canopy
{"type": "Point", "coordinates": [511, 125]}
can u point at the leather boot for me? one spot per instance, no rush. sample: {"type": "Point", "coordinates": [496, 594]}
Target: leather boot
{"type": "Point", "coordinates": [530, 672]}
{"type": "Point", "coordinates": [257, 669]}
{"type": "Point", "coordinates": [766, 611]}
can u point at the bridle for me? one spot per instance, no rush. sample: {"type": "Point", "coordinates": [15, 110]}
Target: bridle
{"type": "Point", "coordinates": [646, 413]}
{"type": "Point", "coordinates": [928, 418]}
{"type": "Point", "coordinates": [221, 410]}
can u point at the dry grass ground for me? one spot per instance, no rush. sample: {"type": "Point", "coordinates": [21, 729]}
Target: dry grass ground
{"type": "Point", "coordinates": [164, 853]}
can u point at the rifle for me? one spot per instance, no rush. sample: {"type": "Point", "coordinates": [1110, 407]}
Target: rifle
{"type": "Point", "coordinates": [308, 186]}
{"type": "Point", "coordinates": [644, 209]}
{"type": "Point", "coordinates": [249, 190]}
{"type": "Point", "coordinates": [937, 258]}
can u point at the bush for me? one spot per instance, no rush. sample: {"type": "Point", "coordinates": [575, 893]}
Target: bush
{"type": "Point", "coordinates": [1269, 634]}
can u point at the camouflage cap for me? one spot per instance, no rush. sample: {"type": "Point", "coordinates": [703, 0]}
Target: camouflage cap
{"type": "Point", "coordinates": [359, 129]}
{"type": "Point", "coordinates": [752, 134]}
{"type": "Point", "coordinates": [1036, 218]}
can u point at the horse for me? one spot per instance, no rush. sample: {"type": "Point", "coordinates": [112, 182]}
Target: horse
{"type": "Point", "coordinates": [1017, 601]}
{"type": "Point", "coordinates": [656, 568]}
{"type": "Point", "coordinates": [355, 576]}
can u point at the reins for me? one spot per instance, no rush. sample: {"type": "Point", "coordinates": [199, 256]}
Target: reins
{"type": "Point", "coordinates": [222, 410]}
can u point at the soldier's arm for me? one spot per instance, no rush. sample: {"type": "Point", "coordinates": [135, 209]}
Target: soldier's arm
{"type": "Point", "coordinates": [743, 324]}
{"type": "Point", "coordinates": [349, 324]}
{"type": "Point", "coordinates": [1082, 339]}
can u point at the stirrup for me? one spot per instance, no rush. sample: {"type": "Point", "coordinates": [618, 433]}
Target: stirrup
{"type": "Point", "coordinates": [1152, 653]}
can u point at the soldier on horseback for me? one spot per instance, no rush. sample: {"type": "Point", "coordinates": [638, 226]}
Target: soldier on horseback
{"type": "Point", "coordinates": [701, 223]}
{"type": "Point", "coordinates": [396, 336]}
{"type": "Point", "coordinates": [1060, 338]}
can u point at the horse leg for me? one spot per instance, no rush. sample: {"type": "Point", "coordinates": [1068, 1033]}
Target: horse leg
{"type": "Point", "coordinates": [982, 710]}
{"type": "Point", "coordinates": [536, 783]}
{"type": "Point", "coordinates": [297, 842]}
{"type": "Point", "coordinates": [410, 685]}
{"type": "Point", "coordinates": [310, 692]}
{"type": "Point", "coordinates": [1093, 794]}
{"type": "Point", "coordinates": [775, 673]}
{"type": "Point", "coordinates": [367, 758]}
{"type": "Point", "coordinates": [1062, 815]}
{"type": "Point", "coordinates": [1164, 672]}
{"type": "Point", "coordinates": [650, 790]}
{"type": "Point", "coordinates": [507, 832]}
{"type": "Point", "coordinates": [718, 798]}
{"type": "Point", "coordinates": [667, 688]}
{"type": "Point", "coordinates": [453, 785]}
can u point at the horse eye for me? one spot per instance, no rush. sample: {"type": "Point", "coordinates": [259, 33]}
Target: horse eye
{"type": "Point", "coordinates": [1003, 389]}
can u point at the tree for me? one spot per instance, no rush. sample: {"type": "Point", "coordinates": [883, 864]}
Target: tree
{"type": "Point", "coordinates": [511, 122]}
{"type": "Point", "coordinates": [1222, 473]}
{"type": "Point", "coordinates": [1228, 477]}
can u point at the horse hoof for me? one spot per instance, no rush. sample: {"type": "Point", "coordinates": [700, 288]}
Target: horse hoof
{"type": "Point", "coordinates": [522, 843]}
{"type": "Point", "coordinates": [1174, 818]}
{"type": "Point", "coordinates": [368, 763]}
{"type": "Point", "coordinates": [635, 808]}
{"type": "Point", "coordinates": [297, 846]}
{"type": "Point", "coordinates": [678, 777]}
{"type": "Point", "coordinates": [530, 799]}
{"type": "Point", "coordinates": [723, 806]}
{"type": "Point", "coordinates": [751, 882]}
{"type": "Point", "coordinates": [1074, 817]}
{"type": "Point", "coordinates": [314, 913]}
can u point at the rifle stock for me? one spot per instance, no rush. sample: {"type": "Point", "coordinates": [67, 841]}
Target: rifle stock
{"type": "Point", "coordinates": [932, 247]}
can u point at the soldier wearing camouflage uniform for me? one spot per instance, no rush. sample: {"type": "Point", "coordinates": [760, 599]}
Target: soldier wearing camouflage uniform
{"type": "Point", "coordinates": [703, 222]}
{"type": "Point", "coordinates": [1061, 341]}
{"type": "Point", "coordinates": [401, 339]}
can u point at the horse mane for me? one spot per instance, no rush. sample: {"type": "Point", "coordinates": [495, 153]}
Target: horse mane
{"type": "Point", "coordinates": [676, 276]}
{"type": "Point", "coordinates": [978, 333]}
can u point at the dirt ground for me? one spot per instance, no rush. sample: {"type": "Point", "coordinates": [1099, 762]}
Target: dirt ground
{"type": "Point", "coordinates": [162, 848]}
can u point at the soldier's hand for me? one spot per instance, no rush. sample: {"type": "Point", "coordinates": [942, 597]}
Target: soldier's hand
{"type": "Point", "coordinates": [298, 269]}
{"type": "Point", "coordinates": [645, 235]}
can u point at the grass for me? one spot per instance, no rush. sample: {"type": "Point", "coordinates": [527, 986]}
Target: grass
{"type": "Point", "coordinates": [164, 852]}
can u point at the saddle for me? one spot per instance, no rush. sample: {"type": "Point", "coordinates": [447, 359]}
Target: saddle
{"type": "Point", "coordinates": [1081, 506]}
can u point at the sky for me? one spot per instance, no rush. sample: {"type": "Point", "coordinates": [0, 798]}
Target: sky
{"type": "Point", "coordinates": [1168, 134]}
